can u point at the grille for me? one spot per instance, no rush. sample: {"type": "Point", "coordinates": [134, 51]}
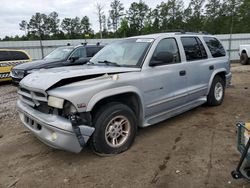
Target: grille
{"type": "Point", "coordinates": [32, 98]}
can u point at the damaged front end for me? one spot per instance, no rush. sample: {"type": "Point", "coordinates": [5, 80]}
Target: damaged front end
{"type": "Point", "coordinates": [54, 122]}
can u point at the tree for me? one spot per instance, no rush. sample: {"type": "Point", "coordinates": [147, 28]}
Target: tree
{"type": "Point", "coordinates": [24, 26]}
{"type": "Point", "coordinates": [53, 22]}
{"type": "Point", "coordinates": [194, 17]}
{"type": "Point", "coordinates": [100, 13]}
{"type": "Point", "coordinates": [116, 13]}
{"type": "Point", "coordinates": [85, 24]}
{"type": "Point", "coordinates": [137, 15]}
{"type": "Point", "coordinates": [66, 25]}
{"type": "Point", "coordinates": [72, 26]}
{"type": "Point", "coordinates": [124, 28]}
{"type": "Point", "coordinates": [213, 16]}
{"type": "Point", "coordinates": [244, 17]}
{"type": "Point", "coordinates": [156, 21]}
{"type": "Point", "coordinates": [39, 25]}
{"type": "Point", "coordinates": [175, 14]}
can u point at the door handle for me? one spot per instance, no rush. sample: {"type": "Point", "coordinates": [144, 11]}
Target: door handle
{"type": "Point", "coordinates": [182, 73]}
{"type": "Point", "coordinates": [211, 67]}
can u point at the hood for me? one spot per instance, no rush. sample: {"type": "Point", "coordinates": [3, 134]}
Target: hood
{"type": "Point", "coordinates": [45, 79]}
{"type": "Point", "coordinates": [38, 64]}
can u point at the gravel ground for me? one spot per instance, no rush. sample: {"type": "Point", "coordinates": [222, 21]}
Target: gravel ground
{"type": "Point", "coordinates": [195, 149]}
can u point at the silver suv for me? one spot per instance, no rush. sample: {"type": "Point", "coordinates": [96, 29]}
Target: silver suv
{"type": "Point", "coordinates": [131, 83]}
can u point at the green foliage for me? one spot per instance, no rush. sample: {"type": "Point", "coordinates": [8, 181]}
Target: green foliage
{"type": "Point", "coordinates": [116, 13]}
{"type": "Point", "coordinates": [213, 16]}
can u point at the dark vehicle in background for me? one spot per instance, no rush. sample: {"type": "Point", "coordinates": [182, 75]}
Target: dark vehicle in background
{"type": "Point", "coordinates": [62, 56]}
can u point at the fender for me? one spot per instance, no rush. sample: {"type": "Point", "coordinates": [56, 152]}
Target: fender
{"type": "Point", "coordinates": [116, 91]}
{"type": "Point", "coordinates": [213, 75]}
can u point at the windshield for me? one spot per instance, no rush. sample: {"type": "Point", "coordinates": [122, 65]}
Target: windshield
{"type": "Point", "coordinates": [128, 52]}
{"type": "Point", "coordinates": [60, 53]}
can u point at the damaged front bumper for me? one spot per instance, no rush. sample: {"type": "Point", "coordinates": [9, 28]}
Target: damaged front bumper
{"type": "Point", "coordinates": [51, 129]}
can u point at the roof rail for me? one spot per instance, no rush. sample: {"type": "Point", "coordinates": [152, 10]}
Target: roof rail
{"type": "Point", "coordinates": [182, 31]}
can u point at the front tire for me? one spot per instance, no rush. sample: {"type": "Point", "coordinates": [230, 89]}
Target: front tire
{"type": "Point", "coordinates": [217, 91]}
{"type": "Point", "coordinates": [244, 59]}
{"type": "Point", "coordinates": [115, 129]}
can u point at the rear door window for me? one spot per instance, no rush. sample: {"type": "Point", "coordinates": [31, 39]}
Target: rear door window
{"type": "Point", "coordinates": [17, 55]}
{"type": "Point", "coordinates": [91, 51]}
{"type": "Point", "coordinates": [194, 49]}
{"type": "Point", "coordinates": [215, 47]}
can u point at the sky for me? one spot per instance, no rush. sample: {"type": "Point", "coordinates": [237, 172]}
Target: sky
{"type": "Point", "coordinates": [14, 11]}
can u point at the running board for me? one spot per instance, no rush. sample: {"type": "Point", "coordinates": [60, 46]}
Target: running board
{"type": "Point", "coordinates": [173, 112]}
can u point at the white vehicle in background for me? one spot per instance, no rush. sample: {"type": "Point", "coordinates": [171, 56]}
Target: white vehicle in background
{"type": "Point", "coordinates": [244, 52]}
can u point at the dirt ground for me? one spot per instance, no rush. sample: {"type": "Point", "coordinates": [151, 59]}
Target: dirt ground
{"type": "Point", "coordinates": [196, 149]}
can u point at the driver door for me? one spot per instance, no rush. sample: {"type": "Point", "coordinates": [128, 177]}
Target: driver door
{"type": "Point", "coordinates": [165, 85]}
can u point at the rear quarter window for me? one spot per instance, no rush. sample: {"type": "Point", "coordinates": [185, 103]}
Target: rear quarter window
{"type": "Point", "coordinates": [215, 47]}
{"type": "Point", "coordinates": [12, 56]}
{"type": "Point", "coordinates": [17, 55]}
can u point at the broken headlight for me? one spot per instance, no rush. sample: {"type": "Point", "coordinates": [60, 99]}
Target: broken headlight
{"type": "Point", "coordinates": [69, 109]}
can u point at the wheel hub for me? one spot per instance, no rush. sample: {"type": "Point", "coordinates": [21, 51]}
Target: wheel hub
{"type": "Point", "coordinates": [117, 131]}
{"type": "Point", "coordinates": [218, 91]}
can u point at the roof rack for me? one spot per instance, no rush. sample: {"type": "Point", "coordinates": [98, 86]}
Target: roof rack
{"type": "Point", "coordinates": [84, 43]}
{"type": "Point", "coordinates": [182, 31]}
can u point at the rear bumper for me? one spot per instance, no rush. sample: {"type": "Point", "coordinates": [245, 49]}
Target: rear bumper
{"type": "Point", "coordinates": [228, 79]}
{"type": "Point", "coordinates": [51, 129]}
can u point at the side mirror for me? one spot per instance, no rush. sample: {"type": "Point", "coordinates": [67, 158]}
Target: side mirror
{"type": "Point", "coordinates": [161, 58]}
{"type": "Point", "coordinates": [73, 59]}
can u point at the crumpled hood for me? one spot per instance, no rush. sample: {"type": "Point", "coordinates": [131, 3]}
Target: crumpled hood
{"type": "Point", "coordinates": [44, 79]}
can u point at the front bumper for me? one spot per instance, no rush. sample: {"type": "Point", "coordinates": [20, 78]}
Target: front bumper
{"type": "Point", "coordinates": [228, 79]}
{"type": "Point", "coordinates": [51, 129]}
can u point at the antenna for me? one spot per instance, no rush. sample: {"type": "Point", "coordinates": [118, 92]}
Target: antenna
{"type": "Point", "coordinates": [68, 44]}
{"type": "Point", "coordinates": [98, 44]}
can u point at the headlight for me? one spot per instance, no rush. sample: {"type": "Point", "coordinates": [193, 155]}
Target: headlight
{"type": "Point", "coordinates": [16, 73]}
{"type": "Point", "coordinates": [55, 102]}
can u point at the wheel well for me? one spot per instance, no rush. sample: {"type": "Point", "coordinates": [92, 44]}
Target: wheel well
{"type": "Point", "coordinates": [244, 51]}
{"type": "Point", "coordinates": [130, 99]}
{"type": "Point", "coordinates": [222, 75]}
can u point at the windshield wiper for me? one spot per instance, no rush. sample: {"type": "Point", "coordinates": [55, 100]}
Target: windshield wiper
{"type": "Point", "coordinates": [109, 63]}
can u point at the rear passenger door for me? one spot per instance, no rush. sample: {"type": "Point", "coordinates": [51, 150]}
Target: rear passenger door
{"type": "Point", "coordinates": [198, 67]}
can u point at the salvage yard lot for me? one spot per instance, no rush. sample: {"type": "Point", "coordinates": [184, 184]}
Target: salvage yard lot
{"type": "Point", "coordinates": [195, 149]}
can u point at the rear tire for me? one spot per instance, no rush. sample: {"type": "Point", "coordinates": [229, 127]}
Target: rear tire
{"type": "Point", "coordinates": [115, 129]}
{"type": "Point", "coordinates": [244, 59]}
{"type": "Point", "coordinates": [217, 91]}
